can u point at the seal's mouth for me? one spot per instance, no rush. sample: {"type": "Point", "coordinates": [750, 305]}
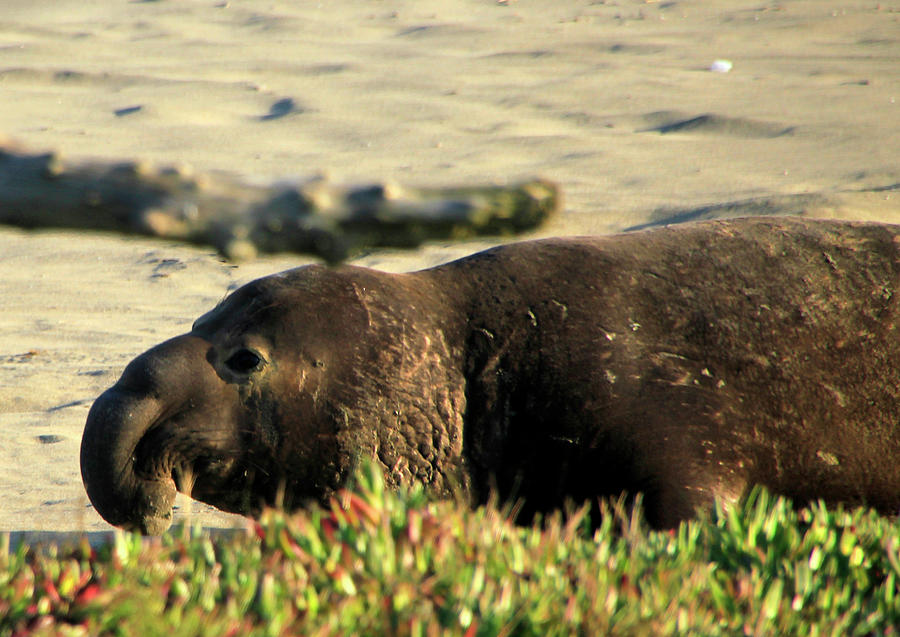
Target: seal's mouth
{"type": "Point", "coordinates": [153, 504]}
{"type": "Point", "coordinates": [223, 482]}
{"type": "Point", "coordinates": [153, 510]}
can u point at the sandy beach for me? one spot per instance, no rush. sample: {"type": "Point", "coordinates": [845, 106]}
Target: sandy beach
{"type": "Point", "coordinates": [644, 112]}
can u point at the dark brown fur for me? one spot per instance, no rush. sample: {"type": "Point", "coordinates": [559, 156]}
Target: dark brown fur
{"type": "Point", "coordinates": [685, 363]}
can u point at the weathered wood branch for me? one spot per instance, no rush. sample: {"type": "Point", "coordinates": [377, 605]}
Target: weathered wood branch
{"type": "Point", "coordinates": [241, 219]}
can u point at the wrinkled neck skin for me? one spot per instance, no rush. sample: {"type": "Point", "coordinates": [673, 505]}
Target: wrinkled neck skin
{"type": "Point", "coordinates": [402, 401]}
{"type": "Point", "coordinates": [456, 389]}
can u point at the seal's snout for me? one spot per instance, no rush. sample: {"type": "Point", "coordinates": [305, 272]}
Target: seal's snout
{"type": "Point", "coordinates": [118, 422]}
{"type": "Point", "coordinates": [115, 424]}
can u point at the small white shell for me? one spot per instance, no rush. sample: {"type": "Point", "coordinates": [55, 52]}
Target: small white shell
{"type": "Point", "coordinates": [720, 66]}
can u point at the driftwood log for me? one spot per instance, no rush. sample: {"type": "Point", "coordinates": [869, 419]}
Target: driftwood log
{"type": "Point", "coordinates": [240, 219]}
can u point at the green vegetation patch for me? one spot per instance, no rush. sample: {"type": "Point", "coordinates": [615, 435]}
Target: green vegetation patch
{"type": "Point", "coordinates": [383, 563]}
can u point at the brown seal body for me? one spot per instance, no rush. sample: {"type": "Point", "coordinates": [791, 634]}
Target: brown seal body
{"type": "Point", "coordinates": [685, 363]}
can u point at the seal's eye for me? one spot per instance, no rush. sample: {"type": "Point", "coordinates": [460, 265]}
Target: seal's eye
{"type": "Point", "coordinates": [243, 361]}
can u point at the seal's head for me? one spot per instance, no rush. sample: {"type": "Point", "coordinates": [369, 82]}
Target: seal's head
{"type": "Point", "coordinates": [271, 399]}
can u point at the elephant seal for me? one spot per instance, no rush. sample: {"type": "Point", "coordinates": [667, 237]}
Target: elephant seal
{"type": "Point", "coordinates": [686, 363]}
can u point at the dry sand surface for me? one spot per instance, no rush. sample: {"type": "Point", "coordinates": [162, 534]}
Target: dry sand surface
{"type": "Point", "coordinates": [614, 100]}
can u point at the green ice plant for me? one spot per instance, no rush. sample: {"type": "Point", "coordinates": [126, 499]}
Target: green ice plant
{"type": "Point", "coordinates": [379, 562]}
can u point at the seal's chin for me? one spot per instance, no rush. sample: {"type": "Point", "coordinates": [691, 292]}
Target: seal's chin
{"type": "Point", "coordinates": [150, 525]}
{"type": "Point", "coordinates": [152, 513]}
